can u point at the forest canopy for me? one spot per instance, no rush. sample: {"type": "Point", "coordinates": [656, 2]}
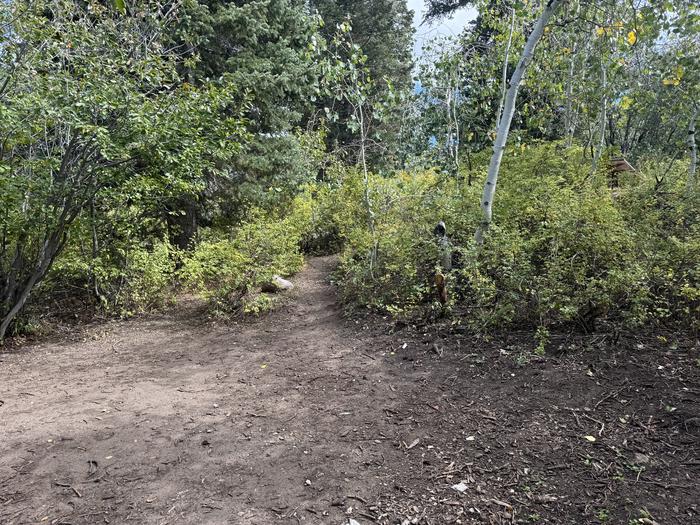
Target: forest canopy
{"type": "Point", "coordinates": [151, 148]}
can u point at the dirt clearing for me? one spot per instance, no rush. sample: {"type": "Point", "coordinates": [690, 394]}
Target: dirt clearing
{"type": "Point", "coordinates": [305, 416]}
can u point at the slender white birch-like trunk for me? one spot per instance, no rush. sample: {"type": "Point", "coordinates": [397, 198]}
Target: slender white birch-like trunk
{"type": "Point", "coordinates": [693, 150]}
{"type": "Point", "coordinates": [366, 191]}
{"type": "Point", "coordinates": [448, 107]}
{"type": "Point", "coordinates": [456, 123]}
{"type": "Point", "coordinates": [603, 120]}
{"type": "Point", "coordinates": [499, 145]}
{"type": "Point", "coordinates": [570, 127]}
{"type": "Point", "coordinates": [504, 83]}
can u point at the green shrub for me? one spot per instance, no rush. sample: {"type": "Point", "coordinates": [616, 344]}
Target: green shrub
{"type": "Point", "coordinates": [565, 248]}
{"type": "Point", "coordinates": [229, 271]}
{"type": "Point", "coordinates": [126, 279]}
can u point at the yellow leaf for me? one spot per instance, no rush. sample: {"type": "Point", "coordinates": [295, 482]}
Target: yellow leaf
{"type": "Point", "coordinates": [632, 37]}
{"type": "Point", "coordinates": [589, 438]}
{"type": "Point", "coordinates": [600, 31]}
{"type": "Point", "coordinates": [626, 102]}
{"type": "Point", "coordinates": [263, 366]}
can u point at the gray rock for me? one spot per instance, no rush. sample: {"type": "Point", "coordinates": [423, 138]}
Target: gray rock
{"type": "Point", "coordinates": [277, 284]}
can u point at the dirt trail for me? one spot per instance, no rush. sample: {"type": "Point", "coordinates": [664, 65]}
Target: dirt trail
{"type": "Point", "coordinates": [306, 417]}
{"type": "Point", "coordinates": [164, 421]}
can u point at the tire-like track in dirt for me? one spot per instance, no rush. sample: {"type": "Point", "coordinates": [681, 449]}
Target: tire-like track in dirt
{"type": "Point", "coordinates": [304, 416]}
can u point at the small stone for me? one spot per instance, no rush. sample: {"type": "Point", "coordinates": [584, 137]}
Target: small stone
{"type": "Point", "coordinates": [641, 459]}
{"type": "Point", "coordinates": [277, 284]}
{"type": "Point", "coordinates": [460, 487]}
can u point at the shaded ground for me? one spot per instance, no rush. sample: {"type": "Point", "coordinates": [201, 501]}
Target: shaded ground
{"type": "Point", "coordinates": [306, 417]}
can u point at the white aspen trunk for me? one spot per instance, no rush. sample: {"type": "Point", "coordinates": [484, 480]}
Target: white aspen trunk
{"type": "Point", "coordinates": [453, 115]}
{"type": "Point", "coordinates": [570, 127]}
{"type": "Point", "coordinates": [366, 195]}
{"type": "Point", "coordinates": [603, 121]}
{"type": "Point", "coordinates": [448, 106]}
{"type": "Point", "coordinates": [693, 150]}
{"type": "Point", "coordinates": [456, 122]}
{"type": "Point", "coordinates": [504, 83]}
{"type": "Point", "coordinates": [499, 145]}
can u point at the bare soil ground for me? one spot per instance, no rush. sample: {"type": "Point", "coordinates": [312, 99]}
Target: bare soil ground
{"type": "Point", "coordinates": [307, 416]}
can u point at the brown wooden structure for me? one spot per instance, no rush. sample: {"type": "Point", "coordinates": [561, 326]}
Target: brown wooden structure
{"type": "Point", "coordinates": [617, 165]}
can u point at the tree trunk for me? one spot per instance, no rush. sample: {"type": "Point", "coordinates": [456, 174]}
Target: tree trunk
{"type": "Point", "coordinates": [693, 150]}
{"type": "Point", "coordinates": [182, 222]}
{"type": "Point", "coordinates": [603, 121]}
{"type": "Point", "coordinates": [507, 117]}
{"type": "Point", "coordinates": [51, 248]}
{"type": "Point", "coordinates": [366, 195]}
{"type": "Point", "coordinates": [570, 127]}
{"type": "Point", "coordinates": [456, 123]}
{"type": "Point", "coordinates": [504, 82]}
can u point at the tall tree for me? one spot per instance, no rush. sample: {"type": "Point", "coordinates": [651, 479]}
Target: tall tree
{"type": "Point", "coordinates": [383, 30]}
{"type": "Point", "coordinates": [499, 145]}
{"type": "Point", "coordinates": [264, 48]}
{"type": "Point", "coordinates": [87, 111]}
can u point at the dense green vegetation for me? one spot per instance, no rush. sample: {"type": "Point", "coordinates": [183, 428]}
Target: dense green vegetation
{"type": "Point", "coordinates": [570, 253]}
{"type": "Point", "coordinates": [149, 149]}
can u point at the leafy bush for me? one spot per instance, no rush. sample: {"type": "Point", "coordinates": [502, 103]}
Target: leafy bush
{"type": "Point", "coordinates": [565, 248]}
{"type": "Point", "coordinates": [126, 279]}
{"type": "Point", "coordinates": [228, 271]}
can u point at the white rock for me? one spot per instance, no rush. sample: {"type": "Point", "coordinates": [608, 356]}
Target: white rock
{"type": "Point", "coordinates": [460, 487]}
{"type": "Point", "coordinates": [277, 284]}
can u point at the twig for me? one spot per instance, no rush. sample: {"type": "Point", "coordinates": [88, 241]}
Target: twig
{"type": "Point", "coordinates": [602, 425]}
{"type": "Point", "coordinates": [611, 394]}
{"type": "Point", "coordinates": [666, 485]}
{"type": "Point", "coordinates": [578, 421]}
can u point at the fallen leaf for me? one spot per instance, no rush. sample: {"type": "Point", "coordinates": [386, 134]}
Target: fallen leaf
{"type": "Point", "coordinates": [589, 438]}
{"type": "Point", "coordinates": [413, 444]}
